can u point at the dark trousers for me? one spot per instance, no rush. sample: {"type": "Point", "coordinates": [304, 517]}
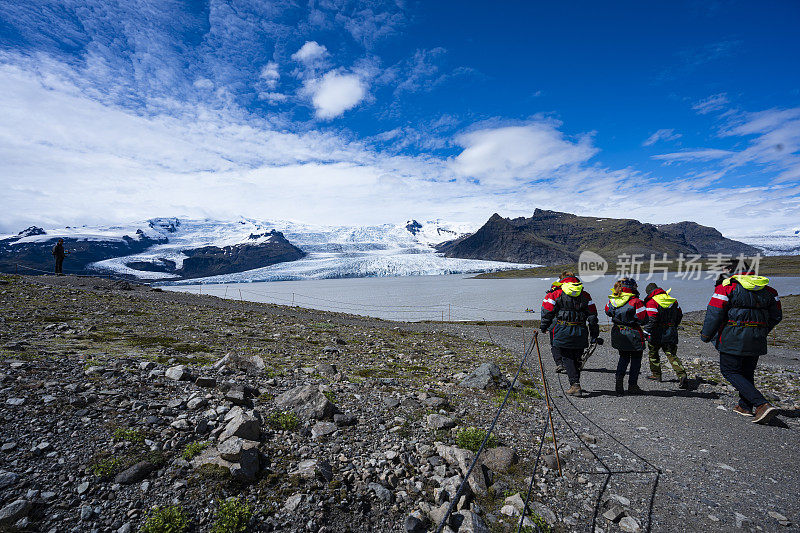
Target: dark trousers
{"type": "Point", "coordinates": [555, 351]}
{"type": "Point", "coordinates": [740, 372]}
{"type": "Point", "coordinates": [59, 264]}
{"type": "Point", "coordinates": [571, 359]}
{"type": "Point", "coordinates": [635, 360]}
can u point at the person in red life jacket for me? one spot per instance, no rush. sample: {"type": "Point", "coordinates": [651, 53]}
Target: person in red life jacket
{"type": "Point", "coordinates": [743, 310]}
{"type": "Point", "coordinates": [628, 315]}
{"type": "Point", "coordinates": [554, 350]}
{"type": "Point", "coordinates": [664, 315]}
{"type": "Point", "coordinates": [573, 316]}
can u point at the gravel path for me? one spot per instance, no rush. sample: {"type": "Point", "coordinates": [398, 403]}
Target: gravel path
{"type": "Point", "coordinates": [719, 470]}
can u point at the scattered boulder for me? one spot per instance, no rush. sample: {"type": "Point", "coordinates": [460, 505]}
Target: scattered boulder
{"type": "Point", "coordinates": [207, 382]}
{"type": "Point", "coordinates": [630, 525]}
{"type": "Point", "coordinates": [500, 459]}
{"type": "Point", "coordinates": [322, 430]}
{"type": "Point", "coordinates": [232, 448]}
{"type": "Point", "coordinates": [13, 512]}
{"type": "Point", "coordinates": [243, 425]}
{"type": "Point", "coordinates": [8, 478]}
{"type": "Point", "coordinates": [249, 364]}
{"type": "Point", "coordinates": [307, 402]}
{"type": "Point", "coordinates": [437, 422]}
{"type": "Point", "coordinates": [486, 376]}
{"type": "Point", "coordinates": [178, 373]}
{"type": "Point", "coordinates": [135, 473]}
{"type": "Point", "coordinates": [383, 494]}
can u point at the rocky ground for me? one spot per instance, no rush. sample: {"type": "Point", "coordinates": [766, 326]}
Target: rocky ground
{"type": "Point", "coordinates": [116, 399]}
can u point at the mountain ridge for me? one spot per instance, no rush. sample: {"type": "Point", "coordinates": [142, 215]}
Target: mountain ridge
{"type": "Point", "coordinates": [553, 237]}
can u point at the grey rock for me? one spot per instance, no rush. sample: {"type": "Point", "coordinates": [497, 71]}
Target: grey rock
{"type": "Point", "coordinates": [326, 369]}
{"type": "Point", "coordinates": [346, 419]}
{"type": "Point", "coordinates": [238, 394]}
{"type": "Point", "coordinates": [543, 511]}
{"type": "Point", "coordinates": [742, 521]}
{"type": "Point", "coordinates": [551, 462]}
{"type": "Point", "coordinates": [440, 422]}
{"type": "Point", "coordinates": [782, 520]}
{"type": "Point", "coordinates": [136, 473]}
{"type": "Point", "coordinates": [486, 376]}
{"type": "Point", "coordinates": [178, 373]}
{"type": "Point", "coordinates": [470, 523]}
{"type": "Point", "coordinates": [247, 467]}
{"type": "Point", "coordinates": [7, 478]}
{"type": "Point", "coordinates": [196, 403]}
{"type": "Point", "coordinates": [86, 512]}
{"type": "Point", "coordinates": [243, 425]}
{"type": "Point", "coordinates": [15, 402]}
{"type": "Point", "coordinates": [206, 381]}
{"type": "Point", "coordinates": [322, 430]}
{"type": "Point", "coordinates": [435, 402]}
{"type": "Point", "coordinates": [383, 494]}
{"type": "Point", "coordinates": [293, 502]}
{"type": "Point", "coordinates": [231, 449]}
{"type": "Point", "coordinates": [391, 402]}
{"type": "Point", "coordinates": [325, 470]}
{"type": "Point", "coordinates": [147, 366]}
{"type": "Point", "coordinates": [82, 488]}
{"type": "Point", "coordinates": [250, 364]}
{"type": "Point", "coordinates": [630, 525]}
{"type": "Point", "coordinates": [306, 469]}
{"type": "Point", "coordinates": [13, 512]}
{"type": "Point", "coordinates": [307, 402]}
{"type": "Point", "coordinates": [125, 528]}
{"type": "Point", "coordinates": [516, 501]}
{"type": "Point", "coordinates": [614, 514]}
{"type": "Point", "coordinates": [416, 524]}
{"type": "Point", "coordinates": [500, 459]}
{"type": "Point", "coordinates": [622, 500]}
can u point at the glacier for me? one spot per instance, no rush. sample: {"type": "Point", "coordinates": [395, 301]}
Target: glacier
{"type": "Point", "coordinates": [405, 249]}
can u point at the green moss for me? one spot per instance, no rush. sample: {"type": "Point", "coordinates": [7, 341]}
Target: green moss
{"type": "Point", "coordinates": [107, 467]}
{"type": "Point", "coordinates": [193, 449]}
{"type": "Point", "coordinates": [135, 436]}
{"type": "Point", "coordinates": [283, 420]}
{"type": "Point", "coordinates": [170, 519]}
{"type": "Point", "coordinates": [233, 516]}
{"type": "Point", "coordinates": [471, 438]}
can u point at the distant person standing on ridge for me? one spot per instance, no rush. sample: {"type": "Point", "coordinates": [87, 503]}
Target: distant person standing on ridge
{"type": "Point", "coordinates": [628, 315]}
{"type": "Point", "coordinates": [58, 254]}
{"type": "Point", "coordinates": [573, 315]}
{"type": "Point", "coordinates": [742, 312]}
{"type": "Point", "coordinates": [555, 351]}
{"type": "Point", "coordinates": [663, 317]}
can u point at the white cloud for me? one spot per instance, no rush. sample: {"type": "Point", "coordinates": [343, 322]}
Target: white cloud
{"type": "Point", "coordinates": [661, 135]}
{"type": "Point", "coordinates": [69, 158]}
{"type": "Point", "coordinates": [270, 74]}
{"type": "Point", "coordinates": [708, 154]}
{"type": "Point", "coordinates": [335, 93]}
{"type": "Point", "coordinates": [204, 83]}
{"type": "Point", "coordinates": [503, 155]}
{"type": "Point", "coordinates": [310, 53]}
{"type": "Point", "coordinates": [711, 104]}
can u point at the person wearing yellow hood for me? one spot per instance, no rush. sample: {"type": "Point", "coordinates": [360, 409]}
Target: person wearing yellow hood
{"type": "Point", "coordinates": [555, 351]}
{"type": "Point", "coordinates": [742, 312]}
{"type": "Point", "coordinates": [573, 315]}
{"type": "Point", "coordinates": [664, 315]}
{"type": "Point", "coordinates": [628, 315]}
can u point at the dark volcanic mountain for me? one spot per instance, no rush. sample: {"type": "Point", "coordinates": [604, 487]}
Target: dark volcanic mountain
{"type": "Point", "coordinates": [551, 238]}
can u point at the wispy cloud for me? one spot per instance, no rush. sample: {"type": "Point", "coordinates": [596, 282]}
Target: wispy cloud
{"type": "Point", "coordinates": [712, 103]}
{"type": "Point", "coordinates": [661, 135]}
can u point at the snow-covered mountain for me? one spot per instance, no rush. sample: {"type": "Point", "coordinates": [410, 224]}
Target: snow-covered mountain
{"type": "Point", "coordinates": [331, 251]}
{"type": "Point", "coordinates": [778, 243]}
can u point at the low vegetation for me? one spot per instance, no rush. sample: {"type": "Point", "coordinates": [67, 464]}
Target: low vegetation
{"type": "Point", "coordinates": [233, 516]}
{"type": "Point", "coordinates": [170, 519]}
{"type": "Point", "coordinates": [471, 439]}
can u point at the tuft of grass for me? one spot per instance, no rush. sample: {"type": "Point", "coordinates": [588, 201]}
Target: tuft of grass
{"type": "Point", "coordinates": [135, 436]}
{"type": "Point", "coordinates": [193, 449]}
{"type": "Point", "coordinates": [471, 438]}
{"type": "Point", "coordinates": [284, 420]}
{"type": "Point", "coordinates": [541, 525]}
{"type": "Point", "coordinates": [171, 519]}
{"type": "Point", "coordinates": [107, 467]}
{"type": "Point", "coordinates": [532, 392]}
{"type": "Point", "coordinates": [233, 516]}
{"type": "Point", "coordinates": [330, 395]}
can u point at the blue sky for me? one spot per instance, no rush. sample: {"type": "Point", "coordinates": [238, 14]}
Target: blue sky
{"type": "Point", "coordinates": [369, 112]}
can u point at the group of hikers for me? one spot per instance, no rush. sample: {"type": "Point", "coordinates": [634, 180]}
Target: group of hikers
{"type": "Point", "coordinates": [741, 313]}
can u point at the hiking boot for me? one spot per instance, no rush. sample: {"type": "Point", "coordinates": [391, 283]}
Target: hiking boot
{"type": "Point", "coordinates": [739, 410]}
{"type": "Point", "coordinates": [683, 382]}
{"type": "Point", "coordinates": [634, 389]}
{"type": "Point", "coordinates": [560, 369]}
{"type": "Point", "coordinates": [654, 377]}
{"type": "Point", "coordinates": [619, 387]}
{"type": "Point", "coordinates": [764, 413]}
{"type": "Point", "coordinates": [575, 390]}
